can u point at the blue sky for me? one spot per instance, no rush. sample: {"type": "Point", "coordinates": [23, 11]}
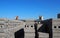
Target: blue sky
{"type": "Point", "coordinates": [29, 8]}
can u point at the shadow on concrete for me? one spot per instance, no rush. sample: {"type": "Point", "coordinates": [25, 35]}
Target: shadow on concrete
{"type": "Point", "coordinates": [19, 34]}
{"type": "Point", "coordinates": [44, 28]}
{"type": "Point", "coordinates": [36, 32]}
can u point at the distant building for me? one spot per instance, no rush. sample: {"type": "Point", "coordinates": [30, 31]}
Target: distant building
{"type": "Point", "coordinates": [49, 28]}
{"type": "Point", "coordinates": [58, 16]}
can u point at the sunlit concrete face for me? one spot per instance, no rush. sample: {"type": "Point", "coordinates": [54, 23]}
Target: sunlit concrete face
{"type": "Point", "coordinates": [14, 28]}
{"type": "Point", "coordinates": [29, 30]}
{"type": "Point", "coordinates": [56, 28]}
{"type": "Point", "coordinates": [9, 27]}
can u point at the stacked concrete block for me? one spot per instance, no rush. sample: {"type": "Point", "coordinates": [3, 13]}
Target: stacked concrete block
{"type": "Point", "coordinates": [3, 35]}
{"type": "Point", "coordinates": [43, 35]}
{"type": "Point", "coordinates": [56, 28]}
{"type": "Point", "coordinates": [29, 31]}
{"type": "Point", "coordinates": [29, 35]}
{"type": "Point", "coordinates": [9, 27]}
